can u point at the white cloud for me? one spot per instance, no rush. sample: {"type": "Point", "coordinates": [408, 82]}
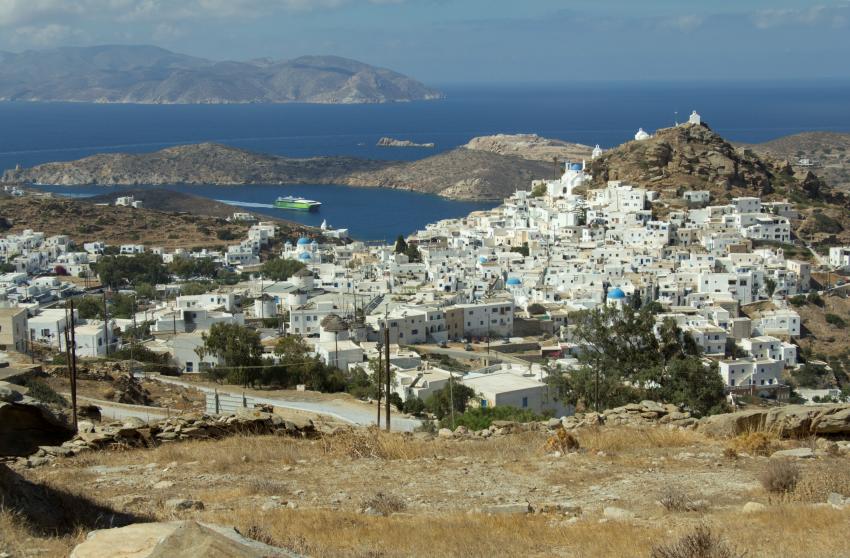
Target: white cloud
{"type": "Point", "coordinates": [834, 16]}
{"type": "Point", "coordinates": [25, 12]}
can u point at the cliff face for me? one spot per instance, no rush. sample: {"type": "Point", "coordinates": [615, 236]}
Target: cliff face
{"type": "Point", "coordinates": [690, 156]}
{"type": "Point", "coordinates": [145, 74]}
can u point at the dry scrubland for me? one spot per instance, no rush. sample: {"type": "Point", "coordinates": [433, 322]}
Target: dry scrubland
{"type": "Point", "coordinates": [450, 497]}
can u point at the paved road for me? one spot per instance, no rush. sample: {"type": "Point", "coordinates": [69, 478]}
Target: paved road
{"type": "Point", "coordinates": [120, 411]}
{"type": "Point", "coordinates": [346, 411]}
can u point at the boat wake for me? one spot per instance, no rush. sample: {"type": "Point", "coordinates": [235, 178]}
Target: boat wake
{"type": "Point", "coordinates": [245, 204]}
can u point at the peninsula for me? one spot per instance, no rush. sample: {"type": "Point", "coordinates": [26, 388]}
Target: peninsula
{"type": "Point", "coordinates": [471, 172]}
{"type": "Point", "coordinates": [151, 75]}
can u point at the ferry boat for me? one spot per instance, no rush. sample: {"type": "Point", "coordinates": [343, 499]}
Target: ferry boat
{"type": "Point", "coordinates": [301, 204]}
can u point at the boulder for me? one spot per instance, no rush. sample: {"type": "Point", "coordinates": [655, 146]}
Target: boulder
{"type": "Point", "coordinates": [498, 509]}
{"type": "Point", "coordinates": [173, 539]}
{"type": "Point", "coordinates": [800, 453]}
{"type": "Point", "coordinates": [653, 407]}
{"type": "Point", "coordinates": [24, 427]}
{"type": "Point", "coordinates": [789, 420]}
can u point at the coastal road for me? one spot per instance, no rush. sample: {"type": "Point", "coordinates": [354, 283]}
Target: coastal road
{"type": "Point", "coordinates": [352, 412]}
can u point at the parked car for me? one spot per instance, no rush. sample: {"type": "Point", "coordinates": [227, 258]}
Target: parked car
{"type": "Point", "coordinates": [444, 344]}
{"type": "Point", "coordinates": [468, 347]}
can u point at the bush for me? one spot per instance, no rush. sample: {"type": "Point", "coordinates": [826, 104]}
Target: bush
{"type": "Point", "coordinates": [797, 300]}
{"type": "Point", "coordinates": [675, 500]}
{"type": "Point", "coordinates": [413, 406]}
{"type": "Point", "coordinates": [753, 443]}
{"type": "Point", "coordinates": [699, 543]}
{"type": "Point", "coordinates": [814, 298]}
{"type": "Point", "coordinates": [836, 320]}
{"type": "Point", "coordinates": [224, 234]}
{"type": "Point", "coordinates": [385, 504]}
{"type": "Point", "coordinates": [780, 476]}
{"type": "Point", "coordinates": [40, 391]}
{"type": "Point", "coordinates": [479, 418]}
{"type": "Point", "coordinates": [140, 353]}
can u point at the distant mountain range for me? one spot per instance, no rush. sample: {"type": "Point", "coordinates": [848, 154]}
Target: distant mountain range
{"type": "Point", "coordinates": [148, 74]}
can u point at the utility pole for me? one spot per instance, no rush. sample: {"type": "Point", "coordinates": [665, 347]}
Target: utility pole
{"type": "Point", "coordinates": [105, 324]}
{"type": "Point", "coordinates": [378, 379]}
{"type": "Point", "coordinates": [387, 358]}
{"type": "Point", "coordinates": [73, 349]}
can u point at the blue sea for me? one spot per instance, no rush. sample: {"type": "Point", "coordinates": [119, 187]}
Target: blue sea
{"type": "Point", "coordinates": [607, 114]}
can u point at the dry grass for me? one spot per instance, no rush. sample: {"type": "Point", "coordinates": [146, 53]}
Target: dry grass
{"type": "Point", "coordinates": [780, 476]}
{"type": "Point", "coordinates": [616, 440]}
{"type": "Point", "coordinates": [754, 443]}
{"type": "Point", "coordinates": [817, 481]}
{"type": "Point", "coordinates": [372, 443]}
{"type": "Point", "coordinates": [17, 540]}
{"type": "Point", "coordinates": [702, 542]}
{"type": "Point", "coordinates": [443, 536]}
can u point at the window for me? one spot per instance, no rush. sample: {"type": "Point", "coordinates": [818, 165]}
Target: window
{"type": "Point", "coordinates": [189, 366]}
{"type": "Point", "coordinates": [525, 402]}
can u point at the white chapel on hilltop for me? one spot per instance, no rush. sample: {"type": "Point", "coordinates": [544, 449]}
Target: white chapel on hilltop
{"type": "Point", "coordinates": [641, 135]}
{"type": "Point", "coordinates": [695, 118]}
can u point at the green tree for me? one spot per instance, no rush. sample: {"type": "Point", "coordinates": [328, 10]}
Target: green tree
{"type": "Point", "coordinates": [539, 190]}
{"type": "Point", "coordinates": [400, 245]}
{"type": "Point", "coordinates": [118, 271]}
{"type": "Point", "coordinates": [452, 396]}
{"type": "Point", "coordinates": [769, 286]}
{"type": "Point", "coordinates": [279, 269]}
{"type": "Point", "coordinates": [413, 254]}
{"type": "Point", "coordinates": [237, 347]}
{"type": "Point", "coordinates": [145, 291]}
{"type": "Point", "coordinates": [188, 267]}
{"type": "Point", "coordinates": [89, 308]}
{"type": "Point", "coordinates": [688, 381]}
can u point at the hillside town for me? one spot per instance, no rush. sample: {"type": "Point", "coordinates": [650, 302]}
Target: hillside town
{"type": "Point", "coordinates": [498, 288]}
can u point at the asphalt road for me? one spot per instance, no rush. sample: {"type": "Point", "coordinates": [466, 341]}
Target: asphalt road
{"type": "Point", "coordinates": [352, 412]}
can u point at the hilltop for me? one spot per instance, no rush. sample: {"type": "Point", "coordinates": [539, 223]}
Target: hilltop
{"type": "Point", "coordinates": [84, 221]}
{"type": "Point", "coordinates": [830, 152]}
{"type": "Point", "coordinates": [147, 74]}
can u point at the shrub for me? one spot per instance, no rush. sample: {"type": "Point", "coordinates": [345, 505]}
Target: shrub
{"type": "Point", "coordinates": [797, 300]}
{"type": "Point", "coordinates": [562, 441]}
{"type": "Point", "coordinates": [479, 418]}
{"type": "Point", "coordinates": [835, 319]}
{"type": "Point", "coordinates": [42, 392]}
{"type": "Point", "coordinates": [699, 543]}
{"type": "Point", "coordinates": [224, 234]}
{"type": "Point", "coordinates": [817, 483]}
{"type": "Point", "coordinates": [780, 476]}
{"type": "Point", "coordinates": [673, 499]}
{"type": "Point", "coordinates": [385, 504]}
{"type": "Point", "coordinates": [814, 298]}
{"type": "Point", "coordinates": [753, 443]}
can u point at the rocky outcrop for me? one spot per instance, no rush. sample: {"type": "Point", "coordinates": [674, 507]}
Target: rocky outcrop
{"type": "Point", "coordinates": [787, 421]}
{"type": "Point", "coordinates": [645, 413]}
{"type": "Point", "coordinates": [134, 432]}
{"type": "Point", "coordinates": [531, 147]}
{"type": "Point", "coordinates": [392, 142]}
{"type": "Point", "coordinates": [690, 156]}
{"type": "Point", "coordinates": [172, 539]}
{"type": "Point", "coordinates": [26, 424]}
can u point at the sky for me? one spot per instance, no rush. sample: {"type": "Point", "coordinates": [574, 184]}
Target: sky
{"type": "Point", "coordinates": [471, 41]}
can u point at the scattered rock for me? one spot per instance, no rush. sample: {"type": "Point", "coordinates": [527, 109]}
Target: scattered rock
{"type": "Point", "coordinates": [837, 500]}
{"type": "Point", "coordinates": [800, 453]}
{"type": "Point", "coordinates": [183, 504]}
